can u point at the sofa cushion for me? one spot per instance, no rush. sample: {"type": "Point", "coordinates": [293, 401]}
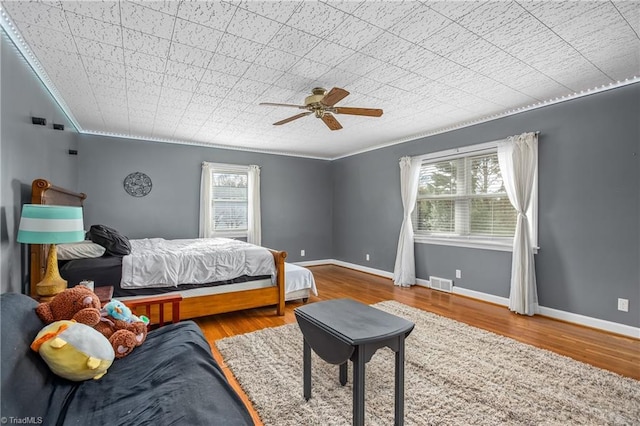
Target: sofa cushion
{"type": "Point", "coordinates": [29, 388]}
{"type": "Point", "coordinates": [171, 379]}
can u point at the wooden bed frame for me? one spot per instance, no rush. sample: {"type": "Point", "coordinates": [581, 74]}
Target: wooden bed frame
{"type": "Point", "coordinates": [43, 192]}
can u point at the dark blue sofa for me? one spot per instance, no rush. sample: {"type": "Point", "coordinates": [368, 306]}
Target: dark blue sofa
{"type": "Point", "coordinates": [172, 379]}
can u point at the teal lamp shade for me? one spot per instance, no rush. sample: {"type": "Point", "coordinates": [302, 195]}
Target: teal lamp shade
{"type": "Point", "coordinates": [41, 224]}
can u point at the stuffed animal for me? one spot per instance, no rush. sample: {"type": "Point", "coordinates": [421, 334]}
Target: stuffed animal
{"type": "Point", "coordinates": [120, 311]}
{"type": "Point", "coordinates": [124, 330]}
{"type": "Point", "coordinates": [76, 303]}
{"type": "Point", "coordinates": [73, 350]}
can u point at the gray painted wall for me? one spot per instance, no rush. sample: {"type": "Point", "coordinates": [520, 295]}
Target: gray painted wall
{"type": "Point", "coordinates": [589, 207]}
{"type": "Point", "coordinates": [27, 152]}
{"type": "Point", "coordinates": [295, 192]}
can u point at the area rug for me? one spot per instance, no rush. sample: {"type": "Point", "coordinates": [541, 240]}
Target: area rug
{"type": "Point", "coordinates": [455, 374]}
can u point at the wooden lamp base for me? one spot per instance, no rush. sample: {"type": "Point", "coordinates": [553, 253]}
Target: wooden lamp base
{"type": "Point", "coordinates": [52, 283]}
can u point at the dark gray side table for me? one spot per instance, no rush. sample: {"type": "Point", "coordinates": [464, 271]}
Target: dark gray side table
{"type": "Point", "coordinates": [342, 329]}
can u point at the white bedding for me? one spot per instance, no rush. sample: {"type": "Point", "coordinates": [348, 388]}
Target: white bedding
{"type": "Point", "coordinates": [298, 278]}
{"type": "Point", "coordinates": [156, 262]}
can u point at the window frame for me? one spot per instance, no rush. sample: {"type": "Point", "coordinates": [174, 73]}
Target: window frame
{"type": "Point", "coordinates": [489, 243]}
{"type": "Point", "coordinates": [229, 168]}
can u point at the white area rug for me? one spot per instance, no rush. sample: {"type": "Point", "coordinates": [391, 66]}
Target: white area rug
{"type": "Point", "coordinates": [455, 374]}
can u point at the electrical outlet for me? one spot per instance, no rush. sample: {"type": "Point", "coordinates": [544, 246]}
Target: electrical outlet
{"type": "Point", "coordinates": [367, 257]}
{"type": "Point", "coordinates": [623, 305]}
{"type": "Point", "coordinates": [302, 253]}
{"type": "Point", "coordinates": [458, 273]}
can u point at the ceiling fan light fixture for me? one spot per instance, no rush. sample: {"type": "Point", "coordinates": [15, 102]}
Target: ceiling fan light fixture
{"type": "Point", "coordinates": [321, 104]}
{"type": "Point", "coordinates": [317, 95]}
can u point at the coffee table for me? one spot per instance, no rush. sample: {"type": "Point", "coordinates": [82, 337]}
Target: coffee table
{"type": "Point", "coordinates": [343, 329]}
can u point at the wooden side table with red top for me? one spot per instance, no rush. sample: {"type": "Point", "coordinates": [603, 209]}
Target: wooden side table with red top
{"type": "Point", "coordinates": [104, 293]}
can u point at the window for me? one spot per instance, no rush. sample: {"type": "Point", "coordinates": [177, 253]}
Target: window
{"type": "Point", "coordinates": [229, 195]}
{"type": "Point", "coordinates": [230, 202]}
{"type": "Point", "coordinates": [462, 200]}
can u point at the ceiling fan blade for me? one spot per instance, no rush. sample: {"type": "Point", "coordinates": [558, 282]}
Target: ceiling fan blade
{"type": "Point", "coordinates": [370, 112]}
{"type": "Point", "coordinates": [283, 105]}
{"type": "Point", "coordinates": [334, 96]}
{"type": "Point", "coordinates": [331, 121]}
{"type": "Point", "coordinates": [295, 117]}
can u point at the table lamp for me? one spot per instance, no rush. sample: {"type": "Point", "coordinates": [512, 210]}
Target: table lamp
{"type": "Point", "coordinates": [48, 224]}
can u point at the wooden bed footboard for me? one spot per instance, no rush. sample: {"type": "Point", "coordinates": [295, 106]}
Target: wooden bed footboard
{"type": "Point", "coordinates": [144, 306]}
{"type": "Point", "coordinates": [43, 192]}
{"type": "Point", "coordinates": [279, 257]}
{"type": "Point", "coordinates": [199, 306]}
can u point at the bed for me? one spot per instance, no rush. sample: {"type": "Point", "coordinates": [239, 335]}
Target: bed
{"type": "Point", "coordinates": [299, 283]}
{"type": "Point", "coordinates": [196, 302]}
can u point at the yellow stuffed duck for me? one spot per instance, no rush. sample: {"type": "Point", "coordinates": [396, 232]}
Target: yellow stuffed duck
{"type": "Point", "coordinates": [73, 350]}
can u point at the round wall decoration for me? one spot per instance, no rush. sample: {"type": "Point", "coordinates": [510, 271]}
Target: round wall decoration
{"type": "Point", "coordinates": [137, 184]}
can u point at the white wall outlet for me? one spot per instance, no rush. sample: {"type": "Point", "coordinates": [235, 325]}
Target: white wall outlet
{"type": "Point", "coordinates": [302, 253]}
{"type": "Point", "coordinates": [458, 273]}
{"type": "Point", "coordinates": [623, 305]}
{"type": "Point", "coordinates": [367, 257]}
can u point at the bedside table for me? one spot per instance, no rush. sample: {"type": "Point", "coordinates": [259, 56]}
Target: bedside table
{"type": "Point", "coordinates": [104, 293]}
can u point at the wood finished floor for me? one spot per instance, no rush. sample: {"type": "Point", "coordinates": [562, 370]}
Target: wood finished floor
{"type": "Point", "coordinates": [605, 350]}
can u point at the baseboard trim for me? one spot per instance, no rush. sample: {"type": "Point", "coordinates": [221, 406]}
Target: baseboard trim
{"type": "Point", "coordinates": [498, 300]}
{"type": "Point", "coordinates": [583, 320]}
{"type": "Point", "coordinates": [423, 283]}
{"type": "Point", "coordinates": [315, 262]}
{"type": "Point", "coordinates": [600, 324]}
{"type": "Point", "coordinates": [612, 327]}
{"type": "Point", "coordinates": [348, 265]}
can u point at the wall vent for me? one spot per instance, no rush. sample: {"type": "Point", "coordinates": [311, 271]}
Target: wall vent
{"type": "Point", "coordinates": [441, 284]}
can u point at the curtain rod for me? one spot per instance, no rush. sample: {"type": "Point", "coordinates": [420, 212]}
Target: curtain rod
{"type": "Point", "coordinates": [469, 149]}
{"type": "Point", "coordinates": [453, 151]}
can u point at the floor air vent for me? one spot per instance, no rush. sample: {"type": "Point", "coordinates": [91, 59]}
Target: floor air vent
{"type": "Point", "coordinates": [441, 284]}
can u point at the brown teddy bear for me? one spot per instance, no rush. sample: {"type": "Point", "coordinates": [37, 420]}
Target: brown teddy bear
{"type": "Point", "coordinates": [76, 303]}
{"type": "Point", "coordinates": [82, 305]}
{"type": "Point", "coordinates": [124, 330]}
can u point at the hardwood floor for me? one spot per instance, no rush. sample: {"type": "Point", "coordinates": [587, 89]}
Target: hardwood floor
{"type": "Point", "coordinates": [609, 351]}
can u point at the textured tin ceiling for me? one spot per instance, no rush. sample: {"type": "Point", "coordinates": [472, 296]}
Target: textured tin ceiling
{"type": "Point", "coordinates": [194, 71]}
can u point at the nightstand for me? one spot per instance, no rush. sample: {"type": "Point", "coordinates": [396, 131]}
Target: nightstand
{"type": "Point", "coordinates": [104, 293]}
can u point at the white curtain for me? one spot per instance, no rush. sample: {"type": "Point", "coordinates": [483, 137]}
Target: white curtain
{"type": "Point", "coordinates": [518, 157]}
{"type": "Point", "coordinates": [206, 229]}
{"type": "Point", "coordinates": [404, 272]}
{"type": "Point", "coordinates": [254, 235]}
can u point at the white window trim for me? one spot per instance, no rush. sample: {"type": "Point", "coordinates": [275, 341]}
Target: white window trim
{"type": "Point", "coordinates": [229, 167]}
{"type": "Point", "coordinates": [498, 244]}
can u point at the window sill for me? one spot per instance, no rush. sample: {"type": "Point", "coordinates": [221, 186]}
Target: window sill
{"type": "Point", "coordinates": [467, 243]}
{"type": "Point", "coordinates": [232, 235]}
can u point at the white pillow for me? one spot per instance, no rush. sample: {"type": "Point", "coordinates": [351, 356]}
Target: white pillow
{"type": "Point", "coordinates": [82, 250]}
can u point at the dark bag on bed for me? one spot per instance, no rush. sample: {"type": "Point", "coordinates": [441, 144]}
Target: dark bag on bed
{"type": "Point", "coordinates": [114, 242]}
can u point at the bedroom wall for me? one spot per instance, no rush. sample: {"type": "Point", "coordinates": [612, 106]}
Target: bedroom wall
{"type": "Point", "coordinates": [589, 207]}
{"type": "Point", "coordinates": [27, 152]}
{"type": "Point", "coordinates": [589, 226]}
{"type": "Point", "coordinates": [296, 202]}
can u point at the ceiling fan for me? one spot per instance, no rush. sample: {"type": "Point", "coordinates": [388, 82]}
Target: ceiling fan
{"type": "Point", "coordinates": [322, 104]}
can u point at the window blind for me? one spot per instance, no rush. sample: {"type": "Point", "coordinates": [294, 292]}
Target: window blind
{"type": "Point", "coordinates": [463, 197]}
{"type": "Point", "coordinates": [230, 201]}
